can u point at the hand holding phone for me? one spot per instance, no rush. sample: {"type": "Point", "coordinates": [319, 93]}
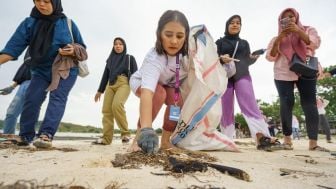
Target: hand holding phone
{"type": "Point", "coordinates": [284, 22]}
{"type": "Point", "coordinates": [259, 52]}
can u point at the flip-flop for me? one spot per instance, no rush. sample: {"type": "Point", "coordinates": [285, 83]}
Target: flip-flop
{"type": "Point", "coordinates": [319, 148]}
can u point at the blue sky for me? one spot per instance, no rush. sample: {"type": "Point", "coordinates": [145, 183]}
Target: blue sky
{"type": "Point", "coordinates": [100, 21]}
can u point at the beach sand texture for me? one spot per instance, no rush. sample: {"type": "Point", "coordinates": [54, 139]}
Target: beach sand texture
{"type": "Point", "coordinates": [91, 167]}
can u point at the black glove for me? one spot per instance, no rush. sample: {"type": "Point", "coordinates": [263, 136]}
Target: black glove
{"type": "Point", "coordinates": [148, 140]}
{"type": "Point", "coordinates": [7, 90]}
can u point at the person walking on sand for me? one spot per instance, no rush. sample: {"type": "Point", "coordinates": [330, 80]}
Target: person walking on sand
{"type": "Point", "coordinates": [241, 85]}
{"type": "Point", "coordinates": [295, 128]}
{"type": "Point", "coordinates": [21, 78]}
{"type": "Point", "coordinates": [47, 33]}
{"type": "Point", "coordinates": [295, 38]}
{"type": "Point", "coordinates": [323, 121]}
{"type": "Point", "coordinates": [119, 68]}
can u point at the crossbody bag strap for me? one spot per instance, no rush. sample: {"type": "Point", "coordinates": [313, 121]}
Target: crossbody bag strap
{"type": "Point", "coordinates": [234, 52]}
{"type": "Point", "coordinates": [129, 66]}
{"type": "Point", "coordinates": [70, 28]}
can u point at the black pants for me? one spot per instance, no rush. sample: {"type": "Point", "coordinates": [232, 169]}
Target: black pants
{"type": "Point", "coordinates": [307, 91]}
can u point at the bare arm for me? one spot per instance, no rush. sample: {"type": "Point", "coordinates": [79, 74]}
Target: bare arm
{"type": "Point", "coordinates": [275, 48]}
{"type": "Point", "coordinates": [5, 58]}
{"type": "Point", "coordinates": [292, 27]}
{"type": "Point", "coordinates": [146, 104]}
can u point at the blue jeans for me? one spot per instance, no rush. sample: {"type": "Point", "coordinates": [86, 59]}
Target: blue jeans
{"type": "Point", "coordinates": [15, 108]}
{"type": "Point", "coordinates": [36, 94]}
{"type": "Point", "coordinates": [296, 133]}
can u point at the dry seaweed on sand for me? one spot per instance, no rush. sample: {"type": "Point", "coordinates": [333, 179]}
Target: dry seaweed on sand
{"type": "Point", "coordinates": [177, 162]}
{"type": "Point", "coordinates": [285, 171]}
{"type": "Point", "coordinates": [16, 147]}
{"type": "Point", "coordinates": [33, 184]}
{"type": "Point", "coordinates": [208, 186]}
{"type": "Point", "coordinates": [160, 159]}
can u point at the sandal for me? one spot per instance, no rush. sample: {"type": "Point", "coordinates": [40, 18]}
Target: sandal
{"type": "Point", "coordinates": [319, 148]}
{"type": "Point", "coordinates": [125, 139]}
{"type": "Point", "coordinates": [288, 146]}
{"type": "Point", "coordinates": [266, 143]}
{"type": "Point", "coordinates": [43, 141]}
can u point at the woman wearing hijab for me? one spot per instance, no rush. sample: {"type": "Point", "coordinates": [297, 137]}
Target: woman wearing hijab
{"type": "Point", "coordinates": [294, 38]}
{"type": "Point", "coordinates": [241, 84]}
{"type": "Point", "coordinates": [119, 67]}
{"type": "Point", "coordinates": [47, 34]}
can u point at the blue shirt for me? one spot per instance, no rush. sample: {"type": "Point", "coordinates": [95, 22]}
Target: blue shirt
{"type": "Point", "coordinates": [24, 33]}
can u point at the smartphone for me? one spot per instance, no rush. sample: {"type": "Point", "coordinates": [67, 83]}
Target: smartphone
{"type": "Point", "coordinates": [284, 22]}
{"type": "Point", "coordinates": [66, 49]}
{"type": "Point", "coordinates": [259, 52]}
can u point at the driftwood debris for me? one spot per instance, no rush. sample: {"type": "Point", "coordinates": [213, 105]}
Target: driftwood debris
{"type": "Point", "coordinates": [181, 166]}
{"type": "Point", "coordinates": [285, 171]}
{"type": "Point", "coordinates": [179, 162]}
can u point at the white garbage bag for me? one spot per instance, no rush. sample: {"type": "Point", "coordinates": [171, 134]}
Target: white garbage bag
{"type": "Point", "coordinates": [206, 83]}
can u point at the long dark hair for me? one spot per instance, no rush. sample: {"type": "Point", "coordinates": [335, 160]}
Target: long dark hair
{"type": "Point", "coordinates": [168, 16]}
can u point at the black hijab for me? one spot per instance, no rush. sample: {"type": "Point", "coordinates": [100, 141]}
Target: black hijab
{"type": "Point", "coordinates": [44, 31]}
{"type": "Point", "coordinates": [227, 33]}
{"type": "Point", "coordinates": [117, 63]}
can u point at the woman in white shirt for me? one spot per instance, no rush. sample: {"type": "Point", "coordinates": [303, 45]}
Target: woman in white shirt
{"type": "Point", "coordinates": [155, 82]}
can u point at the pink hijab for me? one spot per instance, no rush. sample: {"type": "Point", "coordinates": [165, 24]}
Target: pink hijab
{"type": "Point", "coordinates": [292, 43]}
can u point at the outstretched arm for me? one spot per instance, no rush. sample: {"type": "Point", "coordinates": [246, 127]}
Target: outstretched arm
{"type": "Point", "coordinates": [5, 58]}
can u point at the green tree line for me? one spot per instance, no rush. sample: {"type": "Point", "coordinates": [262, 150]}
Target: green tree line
{"type": "Point", "coordinates": [325, 88]}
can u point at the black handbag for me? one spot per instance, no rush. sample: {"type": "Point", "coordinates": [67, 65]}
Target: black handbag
{"type": "Point", "coordinates": [308, 68]}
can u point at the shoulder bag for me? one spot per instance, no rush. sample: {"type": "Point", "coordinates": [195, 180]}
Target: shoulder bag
{"type": "Point", "coordinates": [83, 69]}
{"type": "Point", "coordinates": [308, 68]}
{"type": "Point", "coordinates": [230, 67]}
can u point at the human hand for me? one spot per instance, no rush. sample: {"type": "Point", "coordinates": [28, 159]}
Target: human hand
{"type": "Point", "coordinates": [254, 56]}
{"type": "Point", "coordinates": [97, 96]}
{"type": "Point", "coordinates": [148, 140]}
{"type": "Point", "coordinates": [227, 59]}
{"type": "Point", "coordinates": [68, 50]}
{"type": "Point", "coordinates": [292, 27]}
{"type": "Point", "coordinates": [7, 90]}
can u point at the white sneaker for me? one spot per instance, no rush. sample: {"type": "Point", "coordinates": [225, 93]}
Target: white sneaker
{"type": "Point", "coordinates": [42, 142]}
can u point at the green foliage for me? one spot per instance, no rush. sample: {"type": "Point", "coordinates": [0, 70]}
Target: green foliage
{"type": "Point", "coordinates": [240, 119]}
{"type": "Point", "coordinates": [1, 124]}
{"type": "Point", "coordinates": [74, 128]}
{"type": "Point", "coordinates": [271, 110]}
{"type": "Point", "coordinates": [327, 90]}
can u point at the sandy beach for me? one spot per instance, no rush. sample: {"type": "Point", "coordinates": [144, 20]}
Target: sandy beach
{"type": "Point", "coordinates": [78, 163]}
